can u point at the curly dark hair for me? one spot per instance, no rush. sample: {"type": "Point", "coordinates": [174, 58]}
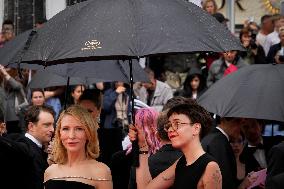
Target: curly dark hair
{"type": "Point", "coordinates": [196, 113]}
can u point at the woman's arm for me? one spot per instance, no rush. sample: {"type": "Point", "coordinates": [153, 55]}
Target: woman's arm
{"type": "Point", "coordinates": [105, 173]}
{"type": "Point", "coordinates": [144, 180]}
{"type": "Point", "coordinates": [212, 177]}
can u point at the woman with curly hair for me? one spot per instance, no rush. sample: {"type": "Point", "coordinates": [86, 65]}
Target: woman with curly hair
{"type": "Point", "coordinates": [187, 124]}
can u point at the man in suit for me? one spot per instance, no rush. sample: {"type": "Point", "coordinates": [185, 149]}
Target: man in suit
{"type": "Point", "coordinates": [275, 169]}
{"type": "Point", "coordinates": [255, 152]}
{"type": "Point", "coordinates": [24, 158]}
{"type": "Point", "coordinates": [216, 143]}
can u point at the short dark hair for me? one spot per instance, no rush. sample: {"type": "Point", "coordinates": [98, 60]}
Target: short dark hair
{"type": "Point", "coordinates": [93, 95]}
{"type": "Point", "coordinates": [8, 22]}
{"type": "Point", "coordinates": [36, 90]}
{"type": "Point", "coordinates": [32, 113]}
{"type": "Point", "coordinates": [178, 100]}
{"type": "Point", "coordinates": [196, 113]}
{"type": "Point", "coordinates": [264, 17]}
{"type": "Point", "coordinates": [163, 119]}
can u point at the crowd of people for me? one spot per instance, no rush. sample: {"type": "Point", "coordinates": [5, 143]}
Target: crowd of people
{"type": "Point", "coordinates": [81, 136]}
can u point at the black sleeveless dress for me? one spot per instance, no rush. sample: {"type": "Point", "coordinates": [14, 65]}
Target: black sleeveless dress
{"type": "Point", "coordinates": [63, 184]}
{"type": "Point", "coordinates": [187, 177]}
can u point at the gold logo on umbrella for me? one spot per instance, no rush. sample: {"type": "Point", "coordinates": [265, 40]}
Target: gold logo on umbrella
{"type": "Point", "coordinates": [92, 45]}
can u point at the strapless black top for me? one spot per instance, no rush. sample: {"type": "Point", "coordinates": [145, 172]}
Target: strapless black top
{"type": "Point", "coordinates": [64, 184]}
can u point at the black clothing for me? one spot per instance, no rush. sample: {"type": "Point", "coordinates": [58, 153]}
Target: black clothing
{"type": "Point", "coordinates": [23, 160]}
{"type": "Point", "coordinates": [247, 155]}
{"type": "Point", "coordinates": [163, 159]}
{"type": "Point", "coordinates": [187, 90]}
{"type": "Point", "coordinates": [188, 176]}
{"type": "Point", "coordinates": [63, 184]}
{"type": "Point", "coordinates": [218, 146]}
{"type": "Point", "coordinates": [272, 53]}
{"type": "Point", "coordinates": [120, 167]}
{"type": "Point", "coordinates": [275, 169]}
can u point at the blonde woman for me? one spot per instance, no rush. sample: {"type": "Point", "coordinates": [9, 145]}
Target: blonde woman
{"type": "Point", "coordinates": [75, 150]}
{"type": "Point", "coordinates": [210, 6]}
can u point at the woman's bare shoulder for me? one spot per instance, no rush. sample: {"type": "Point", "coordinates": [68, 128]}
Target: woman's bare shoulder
{"type": "Point", "coordinates": [100, 170]}
{"type": "Point", "coordinates": [50, 171]}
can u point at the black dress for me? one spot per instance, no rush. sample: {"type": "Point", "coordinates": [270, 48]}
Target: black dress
{"type": "Point", "coordinates": [64, 184]}
{"type": "Point", "coordinates": [187, 177]}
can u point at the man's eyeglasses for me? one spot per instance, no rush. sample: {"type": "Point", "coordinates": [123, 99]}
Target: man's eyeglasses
{"type": "Point", "coordinates": [175, 126]}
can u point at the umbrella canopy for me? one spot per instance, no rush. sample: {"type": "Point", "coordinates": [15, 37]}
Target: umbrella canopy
{"type": "Point", "coordinates": [92, 71]}
{"type": "Point", "coordinates": [44, 79]}
{"type": "Point", "coordinates": [255, 91]}
{"type": "Point", "coordinates": [132, 28]}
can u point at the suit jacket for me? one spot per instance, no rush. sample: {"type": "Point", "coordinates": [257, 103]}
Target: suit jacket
{"type": "Point", "coordinates": [275, 165]}
{"type": "Point", "coordinates": [247, 155]}
{"type": "Point", "coordinates": [24, 162]}
{"type": "Point", "coordinates": [272, 53]}
{"type": "Point", "coordinates": [217, 145]}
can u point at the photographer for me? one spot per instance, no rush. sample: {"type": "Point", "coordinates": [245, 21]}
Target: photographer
{"type": "Point", "coordinates": [254, 53]}
{"type": "Point", "coordinates": [276, 52]}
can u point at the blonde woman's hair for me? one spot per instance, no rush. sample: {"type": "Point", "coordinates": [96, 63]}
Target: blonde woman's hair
{"type": "Point", "coordinates": [204, 4]}
{"type": "Point", "coordinates": [85, 118]}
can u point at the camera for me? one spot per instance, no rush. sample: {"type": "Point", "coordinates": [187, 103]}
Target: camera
{"type": "Point", "coordinates": [253, 44]}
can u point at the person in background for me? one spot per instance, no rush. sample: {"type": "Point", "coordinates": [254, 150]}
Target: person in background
{"type": "Point", "coordinates": [273, 38]}
{"type": "Point", "coordinates": [76, 92]}
{"type": "Point", "coordinates": [226, 64]}
{"type": "Point", "coordinates": [210, 6]}
{"type": "Point", "coordinates": [244, 180]}
{"type": "Point", "coordinates": [15, 98]}
{"type": "Point", "coordinates": [75, 150]}
{"type": "Point", "coordinates": [24, 152]}
{"type": "Point", "coordinates": [255, 151]}
{"type": "Point", "coordinates": [217, 144]}
{"type": "Point", "coordinates": [115, 117]}
{"type": "Point", "coordinates": [275, 169]}
{"type": "Point", "coordinates": [254, 53]}
{"type": "Point", "coordinates": [276, 52]}
{"type": "Point", "coordinates": [266, 27]}
{"type": "Point", "coordinates": [52, 96]}
{"type": "Point", "coordinates": [7, 31]}
{"type": "Point", "coordinates": [155, 93]}
{"type": "Point", "coordinates": [194, 85]}
{"type": "Point", "coordinates": [37, 99]}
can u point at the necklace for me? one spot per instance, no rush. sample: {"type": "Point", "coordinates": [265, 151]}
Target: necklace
{"type": "Point", "coordinates": [81, 177]}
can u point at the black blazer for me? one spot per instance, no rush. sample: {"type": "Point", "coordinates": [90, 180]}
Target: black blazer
{"type": "Point", "coordinates": [217, 145]}
{"type": "Point", "coordinates": [272, 52]}
{"type": "Point", "coordinates": [25, 162]}
{"type": "Point", "coordinates": [275, 169]}
{"type": "Point", "coordinates": [248, 158]}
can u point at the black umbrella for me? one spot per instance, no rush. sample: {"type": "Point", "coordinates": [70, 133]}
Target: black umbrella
{"type": "Point", "coordinates": [92, 71]}
{"type": "Point", "coordinates": [255, 91]}
{"type": "Point", "coordinates": [45, 79]}
{"type": "Point", "coordinates": [129, 28]}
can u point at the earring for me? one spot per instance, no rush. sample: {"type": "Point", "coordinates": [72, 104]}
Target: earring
{"type": "Point", "coordinates": [98, 119]}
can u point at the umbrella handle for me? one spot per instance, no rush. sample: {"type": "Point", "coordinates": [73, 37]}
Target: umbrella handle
{"type": "Point", "coordinates": [135, 147]}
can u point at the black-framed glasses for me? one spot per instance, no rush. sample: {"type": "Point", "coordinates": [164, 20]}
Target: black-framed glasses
{"type": "Point", "coordinates": [175, 126]}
